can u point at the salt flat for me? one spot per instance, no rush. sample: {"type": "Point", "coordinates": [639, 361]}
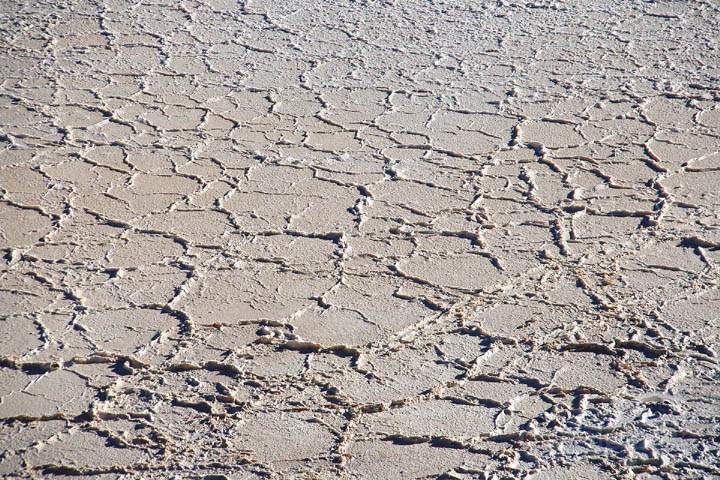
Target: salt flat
{"type": "Point", "coordinates": [377, 240]}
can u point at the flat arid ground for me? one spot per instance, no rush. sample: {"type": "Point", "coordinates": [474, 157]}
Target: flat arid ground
{"type": "Point", "coordinates": [360, 240]}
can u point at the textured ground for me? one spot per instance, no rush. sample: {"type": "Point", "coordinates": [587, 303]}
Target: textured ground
{"type": "Point", "coordinates": [375, 240]}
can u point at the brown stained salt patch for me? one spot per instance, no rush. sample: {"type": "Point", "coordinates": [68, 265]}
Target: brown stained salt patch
{"type": "Point", "coordinates": [433, 418]}
{"type": "Point", "coordinates": [79, 452]}
{"type": "Point", "coordinates": [467, 272]}
{"type": "Point", "coordinates": [207, 227]}
{"type": "Point", "coordinates": [22, 227]}
{"type": "Point", "coordinates": [333, 326]}
{"type": "Point", "coordinates": [59, 392]}
{"type": "Point", "coordinates": [152, 285]}
{"type": "Point", "coordinates": [567, 472]}
{"type": "Point", "coordinates": [128, 332]}
{"type": "Point", "coordinates": [140, 250]}
{"type": "Point", "coordinates": [698, 188]}
{"type": "Point", "coordinates": [285, 438]}
{"type": "Point", "coordinates": [414, 198]}
{"type": "Point", "coordinates": [696, 315]}
{"type": "Point", "coordinates": [252, 293]}
{"type": "Point", "coordinates": [387, 460]}
{"type": "Point", "coordinates": [372, 299]}
{"type": "Point", "coordinates": [23, 293]}
{"type": "Point", "coordinates": [18, 336]}
{"type": "Point", "coordinates": [551, 134]}
{"type": "Point", "coordinates": [710, 118]}
{"type": "Point", "coordinates": [569, 371]}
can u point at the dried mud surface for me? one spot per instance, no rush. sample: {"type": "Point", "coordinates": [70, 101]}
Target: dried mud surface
{"type": "Point", "coordinates": [359, 240]}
